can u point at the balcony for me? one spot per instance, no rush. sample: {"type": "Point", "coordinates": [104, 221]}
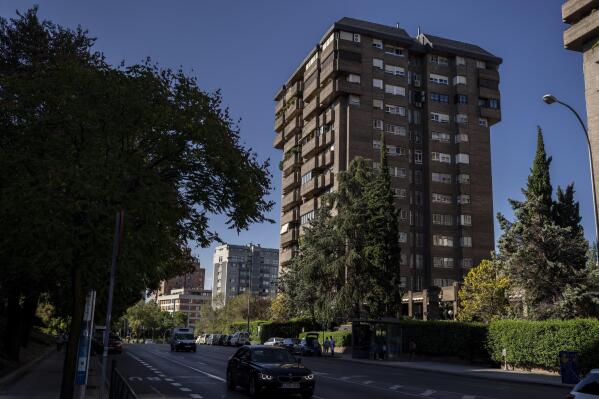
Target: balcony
{"type": "Point", "coordinates": [493, 115]}
{"type": "Point", "coordinates": [327, 139]}
{"type": "Point", "coordinates": [309, 127]}
{"type": "Point", "coordinates": [290, 200]}
{"type": "Point", "coordinates": [325, 159]}
{"type": "Point", "coordinates": [329, 116]}
{"type": "Point", "coordinates": [293, 108]}
{"type": "Point", "coordinates": [310, 88]}
{"type": "Point", "coordinates": [286, 255]}
{"type": "Point", "coordinates": [293, 126]}
{"type": "Point", "coordinates": [574, 10]}
{"type": "Point", "coordinates": [278, 141]}
{"type": "Point", "coordinates": [336, 86]}
{"type": "Point", "coordinates": [309, 165]}
{"type": "Point", "coordinates": [290, 182]}
{"type": "Point", "coordinates": [578, 36]}
{"type": "Point", "coordinates": [489, 74]}
{"type": "Point", "coordinates": [290, 216]}
{"type": "Point", "coordinates": [309, 147]}
{"type": "Point", "coordinates": [327, 180]}
{"type": "Point", "coordinates": [290, 236]}
{"type": "Point", "coordinates": [292, 163]}
{"type": "Point", "coordinates": [289, 144]}
{"type": "Point", "coordinates": [308, 188]}
{"type": "Point", "coordinates": [293, 89]}
{"type": "Point", "coordinates": [310, 109]}
{"type": "Point", "coordinates": [486, 92]}
{"type": "Point", "coordinates": [279, 105]}
{"type": "Point", "coordinates": [279, 122]}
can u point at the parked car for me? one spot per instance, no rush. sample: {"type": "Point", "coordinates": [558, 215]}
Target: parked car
{"type": "Point", "coordinates": [201, 339]}
{"type": "Point", "coordinates": [182, 339]}
{"type": "Point", "coordinates": [149, 341]}
{"type": "Point", "coordinates": [209, 339]}
{"type": "Point", "coordinates": [310, 346]}
{"type": "Point", "coordinates": [115, 344]}
{"type": "Point", "coordinates": [228, 343]}
{"type": "Point", "coordinates": [275, 341]}
{"type": "Point", "coordinates": [222, 340]}
{"type": "Point", "coordinates": [262, 369]}
{"type": "Point", "coordinates": [292, 345]}
{"type": "Point", "coordinates": [240, 338]}
{"type": "Point", "coordinates": [588, 388]}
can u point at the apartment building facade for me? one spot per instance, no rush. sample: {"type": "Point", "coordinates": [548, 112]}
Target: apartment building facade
{"type": "Point", "coordinates": [435, 100]}
{"type": "Point", "coordinates": [243, 268]}
{"type": "Point", "coordinates": [185, 300]}
{"type": "Point", "coordinates": [190, 281]}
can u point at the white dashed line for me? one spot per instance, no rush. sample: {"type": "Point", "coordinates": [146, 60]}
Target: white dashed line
{"type": "Point", "coordinates": [168, 379]}
{"type": "Point", "coordinates": [175, 384]}
{"type": "Point", "coordinates": [185, 389]}
{"type": "Point", "coordinates": [395, 387]}
{"type": "Point", "coordinates": [198, 396]}
{"type": "Point", "coordinates": [468, 397]}
{"type": "Point", "coordinates": [428, 392]}
{"type": "Point", "coordinates": [367, 382]}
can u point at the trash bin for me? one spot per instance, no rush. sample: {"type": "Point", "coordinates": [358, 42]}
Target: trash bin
{"type": "Point", "coordinates": [569, 365]}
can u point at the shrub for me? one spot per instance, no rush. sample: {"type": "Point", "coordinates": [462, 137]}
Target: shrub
{"type": "Point", "coordinates": [342, 338]}
{"type": "Point", "coordinates": [262, 330]}
{"type": "Point", "coordinates": [538, 343]}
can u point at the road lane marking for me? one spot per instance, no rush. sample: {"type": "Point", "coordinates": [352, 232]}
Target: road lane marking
{"type": "Point", "coordinates": [468, 397]}
{"type": "Point", "coordinates": [394, 387]}
{"type": "Point", "coordinates": [168, 379]}
{"type": "Point", "coordinates": [157, 391]}
{"type": "Point", "coordinates": [428, 392]}
{"type": "Point", "coordinates": [185, 389]}
{"type": "Point", "coordinates": [191, 368]}
{"type": "Point", "coordinates": [175, 384]}
{"type": "Point", "coordinates": [198, 396]}
{"type": "Point", "coordinates": [367, 382]}
{"type": "Point", "coordinates": [371, 386]}
{"type": "Point", "coordinates": [135, 379]}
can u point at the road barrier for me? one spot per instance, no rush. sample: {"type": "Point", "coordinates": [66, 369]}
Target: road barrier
{"type": "Point", "coordinates": [119, 389]}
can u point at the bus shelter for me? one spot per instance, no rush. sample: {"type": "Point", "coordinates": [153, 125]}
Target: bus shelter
{"type": "Point", "coordinates": [376, 339]}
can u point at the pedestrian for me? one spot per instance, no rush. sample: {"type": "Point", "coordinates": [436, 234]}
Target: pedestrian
{"type": "Point", "coordinates": [326, 345]}
{"type": "Point", "coordinates": [332, 343]}
{"type": "Point", "coordinates": [412, 348]}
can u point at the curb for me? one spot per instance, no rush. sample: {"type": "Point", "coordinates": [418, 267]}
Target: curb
{"type": "Point", "coordinates": [461, 374]}
{"type": "Point", "coordinates": [18, 373]}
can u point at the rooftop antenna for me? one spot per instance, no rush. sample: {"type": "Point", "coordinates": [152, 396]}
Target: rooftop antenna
{"type": "Point", "coordinates": [418, 30]}
{"type": "Point", "coordinates": [397, 25]}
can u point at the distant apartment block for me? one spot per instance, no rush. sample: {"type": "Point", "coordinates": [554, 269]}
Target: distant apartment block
{"type": "Point", "coordinates": [190, 281]}
{"type": "Point", "coordinates": [243, 268]}
{"type": "Point", "coordinates": [186, 301]}
{"type": "Point", "coordinates": [435, 100]}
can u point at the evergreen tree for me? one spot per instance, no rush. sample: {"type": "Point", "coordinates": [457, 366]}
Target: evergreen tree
{"type": "Point", "coordinates": [539, 181]}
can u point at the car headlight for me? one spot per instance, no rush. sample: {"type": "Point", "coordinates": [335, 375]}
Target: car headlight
{"type": "Point", "coordinates": [309, 377]}
{"type": "Point", "coordinates": [266, 377]}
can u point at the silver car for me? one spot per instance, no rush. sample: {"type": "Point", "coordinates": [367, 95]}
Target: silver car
{"type": "Point", "coordinates": [588, 388]}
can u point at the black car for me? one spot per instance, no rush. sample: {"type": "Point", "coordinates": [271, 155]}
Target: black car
{"type": "Point", "coordinates": [263, 369]}
{"type": "Point", "coordinates": [115, 344]}
{"type": "Point", "coordinates": [310, 346]}
{"type": "Point", "coordinates": [222, 340]}
{"type": "Point", "coordinates": [292, 345]}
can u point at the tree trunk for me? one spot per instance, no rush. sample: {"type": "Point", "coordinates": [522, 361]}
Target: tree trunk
{"type": "Point", "coordinates": [29, 309]}
{"type": "Point", "coordinates": [70, 360]}
{"type": "Point", "coordinates": [13, 327]}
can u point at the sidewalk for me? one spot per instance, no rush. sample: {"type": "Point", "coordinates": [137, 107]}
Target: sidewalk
{"type": "Point", "coordinates": [542, 378]}
{"type": "Point", "coordinates": [43, 380]}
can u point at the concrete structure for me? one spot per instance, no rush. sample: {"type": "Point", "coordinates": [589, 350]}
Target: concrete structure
{"type": "Point", "coordinates": [185, 301]}
{"type": "Point", "coordinates": [190, 281]}
{"type": "Point", "coordinates": [242, 268]}
{"type": "Point", "coordinates": [435, 100]}
{"type": "Point", "coordinates": [583, 36]}
{"type": "Point", "coordinates": [432, 304]}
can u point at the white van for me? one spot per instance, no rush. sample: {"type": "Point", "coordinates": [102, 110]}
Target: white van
{"type": "Point", "coordinates": [182, 339]}
{"type": "Point", "coordinates": [240, 338]}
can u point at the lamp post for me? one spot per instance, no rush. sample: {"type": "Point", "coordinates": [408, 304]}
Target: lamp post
{"type": "Point", "coordinates": [550, 99]}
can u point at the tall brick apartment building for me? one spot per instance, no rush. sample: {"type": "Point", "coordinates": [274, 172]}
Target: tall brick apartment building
{"type": "Point", "coordinates": [435, 100]}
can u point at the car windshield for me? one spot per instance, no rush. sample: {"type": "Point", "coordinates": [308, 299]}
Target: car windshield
{"type": "Point", "coordinates": [183, 336]}
{"type": "Point", "coordinates": [268, 355]}
{"type": "Point", "coordinates": [590, 385]}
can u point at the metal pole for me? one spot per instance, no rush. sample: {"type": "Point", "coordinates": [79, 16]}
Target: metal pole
{"type": "Point", "coordinates": [118, 233]}
{"type": "Point", "coordinates": [249, 293]}
{"type": "Point", "coordinates": [586, 134]}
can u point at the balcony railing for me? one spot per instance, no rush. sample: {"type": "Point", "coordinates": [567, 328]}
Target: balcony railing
{"type": "Point", "coordinates": [290, 200]}
{"type": "Point", "coordinates": [493, 115]}
{"type": "Point", "coordinates": [290, 182]}
{"type": "Point", "coordinates": [278, 141]}
{"type": "Point", "coordinates": [291, 163]}
{"type": "Point", "coordinates": [290, 236]}
{"type": "Point", "coordinates": [310, 108]}
{"type": "Point", "coordinates": [490, 74]}
{"type": "Point", "coordinates": [293, 108]}
{"type": "Point", "coordinates": [279, 121]}
{"type": "Point", "coordinates": [293, 126]}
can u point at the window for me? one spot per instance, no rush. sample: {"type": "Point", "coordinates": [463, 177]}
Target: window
{"type": "Point", "coordinates": [396, 151]}
{"type": "Point", "coordinates": [376, 144]}
{"type": "Point", "coordinates": [442, 241]}
{"type": "Point", "coordinates": [395, 90]}
{"type": "Point", "coordinates": [397, 51]}
{"type": "Point", "coordinates": [395, 129]}
{"type": "Point", "coordinates": [459, 80]}
{"type": "Point", "coordinates": [395, 70]}
{"type": "Point", "coordinates": [442, 282]}
{"type": "Point", "coordinates": [353, 78]}
{"type": "Point", "coordinates": [443, 220]}
{"type": "Point", "coordinates": [440, 98]}
{"type": "Point", "coordinates": [416, 283]}
{"type": "Point", "coordinates": [461, 138]}
{"type": "Point", "coordinates": [403, 214]}
{"type": "Point", "coordinates": [395, 110]}
{"type": "Point", "coordinates": [493, 103]}
{"type": "Point", "coordinates": [490, 84]}
{"type": "Point", "coordinates": [399, 192]}
{"type": "Point", "coordinates": [441, 262]}
{"type": "Point", "coordinates": [461, 118]}
{"type": "Point", "coordinates": [466, 263]}
{"type": "Point", "coordinates": [418, 198]}
{"type": "Point", "coordinates": [461, 99]}
{"type": "Point", "coordinates": [307, 217]}
{"type": "Point", "coordinates": [440, 137]}
{"type": "Point", "coordinates": [441, 157]}
{"type": "Point", "coordinates": [377, 124]}
{"type": "Point", "coordinates": [483, 122]}
{"type": "Point", "coordinates": [465, 220]}
{"type": "Point", "coordinates": [462, 158]}
{"type": "Point", "coordinates": [352, 37]}
{"type": "Point", "coordinates": [481, 64]}
{"type": "Point", "coordinates": [377, 63]}
{"type": "Point", "coordinates": [307, 177]}
{"type": "Point", "coordinates": [464, 199]}
{"type": "Point", "coordinates": [329, 41]}
{"type": "Point", "coordinates": [415, 136]}
{"type": "Point", "coordinates": [403, 259]}
{"type": "Point", "coordinates": [398, 172]}
{"type": "Point", "coordinates": [416, 119]}
{"type": "Point", "coordinates": [441, 118]}
{"type": "Point", "coordinates": [418, 156]}
{"type": "Point", "coordinates": [441, 198]}
{"type": "Point", "coordinates": [437, 59]}
{"type": "Point", "coordinates": [402, 237]}
{"type": "Point", "coordinates": [403, 282]}
{"type": "Point", "coordinates": [464, 178]}
{"type": "Point", "coordinates": [378, 83]}
{"type": "Point", "coordinates": [354, 100]}
{"type": "Point", "coordinates": [419, 261]}
{"type": "Point", "coordinates": [441, 178]}
{"type": "Point", "coordinates": [466, 242]}
{"type": "Point", "coordinates": [460, 60]}
{"type": "Point", "coordinates": [378, 104]}
{"type": "Point", "coordinates": [377, 43]}
{"type": "Point", "coordinates": [440, 79]}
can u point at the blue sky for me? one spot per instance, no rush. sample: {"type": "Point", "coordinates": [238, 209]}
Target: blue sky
{"type": "Point", "coordinates": [249, 48]}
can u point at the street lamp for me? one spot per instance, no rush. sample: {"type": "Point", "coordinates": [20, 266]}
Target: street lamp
{"type": "Point", "coordinates": [550, 99]}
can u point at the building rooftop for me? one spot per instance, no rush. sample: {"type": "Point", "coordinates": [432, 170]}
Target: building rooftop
{"type": "Point", "coordinates": [360, 26]}
{"type": "Point", "coordinates": [458, 47]}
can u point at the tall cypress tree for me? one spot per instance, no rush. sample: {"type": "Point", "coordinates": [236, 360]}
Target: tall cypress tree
{"type": "Point", "coordinates": [539, 180]}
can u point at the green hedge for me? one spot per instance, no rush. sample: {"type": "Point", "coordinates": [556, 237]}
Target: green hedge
{"type": "Point", "coordinates": [536, 344]}
{"type": "Point", "coordinates": [262, 330]}
{"type": "Point", "coordinates": [342, 338]}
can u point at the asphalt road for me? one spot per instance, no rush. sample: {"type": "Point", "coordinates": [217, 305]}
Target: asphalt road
{"type": "Point", "coordinates": [155, 372]}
